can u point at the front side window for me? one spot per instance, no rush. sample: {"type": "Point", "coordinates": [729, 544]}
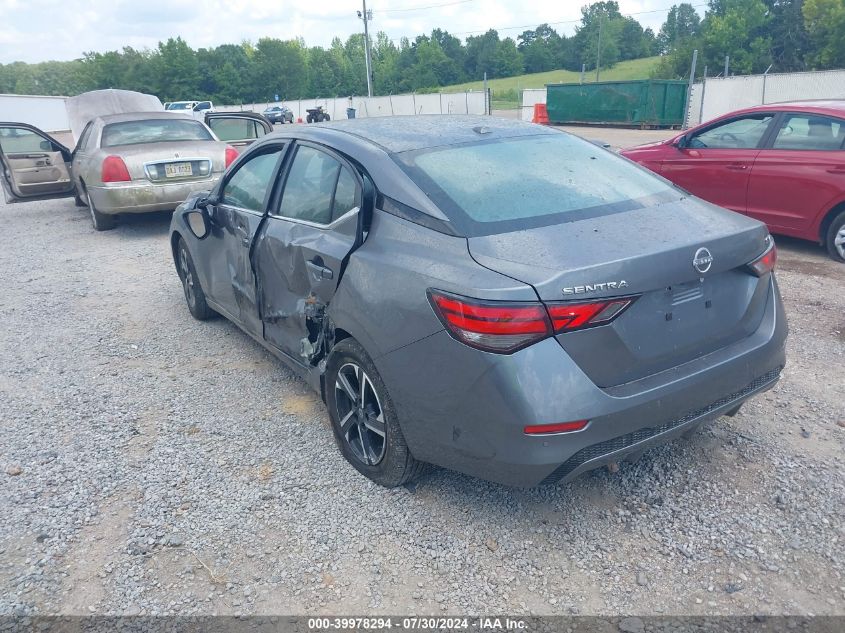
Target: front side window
{"type": "Point", "coordinates": [519, 183]}
{"type": "Point", "coordinates": [235, 129]}
{"type": "Point", "coordinates": [154, 131]}
{"type": "Point", "coordinates": [248, 187]}
{"type": "Point", "coordinates": [310, 187]}
{"type": "Point", "coordinates": [16, 140]}
{"type": "Point", "coordinates": [810, 132]}
{"type": "Point", "coordinates": [744, 133]}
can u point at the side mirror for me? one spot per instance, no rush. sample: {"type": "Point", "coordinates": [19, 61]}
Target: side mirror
{"type": "Point", "coordinates": [208, 201]}
{"type": "Point", "coordinates": [46, 146]}
{"type": "Point", "coordinates": [680, 142]}
{"type": "Point", "coordinates": [198, 222]}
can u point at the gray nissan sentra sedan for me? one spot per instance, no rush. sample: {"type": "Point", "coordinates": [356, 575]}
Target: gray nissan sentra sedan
{"type": "Point", "coordinates": [499, 298]}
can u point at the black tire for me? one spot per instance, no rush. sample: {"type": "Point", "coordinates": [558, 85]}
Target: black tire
{"type": "Point", "coordinates": [384, 458]}
{"type": "Point", "coordinates": [194, 295]}
{"type": "Point", "coordinates": [835, 238]}
{"type": "Point", "coordinates": [78, 201]}
{"type": "Point", "coordinates": [309, 119]}
{"type": "Point", "coordinates": [326, 117]}
{"type": "Point", "coordinates": [100, 221]}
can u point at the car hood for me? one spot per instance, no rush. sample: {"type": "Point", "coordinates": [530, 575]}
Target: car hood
{"type": "Point", "coordinates": [89, 105]}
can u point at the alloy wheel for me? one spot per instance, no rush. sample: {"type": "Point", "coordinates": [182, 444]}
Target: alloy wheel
{"type": "Point", "coordinates": [360, 414]}
{"type": "Point", "coordinates": [187, 277]}
{"type": "Point", "coordinates": [839, 242]}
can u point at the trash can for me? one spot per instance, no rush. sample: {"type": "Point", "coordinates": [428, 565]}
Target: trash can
{"type": "Point", "coordinates": [350, 113]}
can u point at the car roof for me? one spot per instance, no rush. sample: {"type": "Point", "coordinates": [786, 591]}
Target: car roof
{"type": "Point", "coordinates": [835, 107]}
{"type": "Point", "coordinates": [396, 134]}
{"type": "Point", "coordinates": [143, 116]}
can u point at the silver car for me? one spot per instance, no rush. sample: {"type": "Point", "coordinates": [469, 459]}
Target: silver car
{"type": "Point", "coordinates": [123, 163]}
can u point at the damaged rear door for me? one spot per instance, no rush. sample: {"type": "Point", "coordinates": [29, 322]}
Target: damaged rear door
{"type": "Point", "coordinates": [302, 247]}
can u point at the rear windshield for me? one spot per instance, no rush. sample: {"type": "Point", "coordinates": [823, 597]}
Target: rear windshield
{"type": "Point", "coordinates": [154, 131]}
{"type": "Point", "coordinates": [512, 184]}
{"type": "Point", "coordinates": [186, 105]}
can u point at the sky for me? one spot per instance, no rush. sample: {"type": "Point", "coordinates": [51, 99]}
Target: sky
{"type": "Point", "coordinates": [40, 30]}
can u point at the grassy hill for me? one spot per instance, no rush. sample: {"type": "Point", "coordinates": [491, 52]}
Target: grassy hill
{"type": "Point", "coordinates": [506, 91]}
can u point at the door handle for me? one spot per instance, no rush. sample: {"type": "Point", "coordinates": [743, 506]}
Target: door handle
{"type": "Point", "coordinates": [319, 271]}
{"type": "Point", "coordinates": [839, 171]}
{"type": "Point", "coordinates": [737, 166]}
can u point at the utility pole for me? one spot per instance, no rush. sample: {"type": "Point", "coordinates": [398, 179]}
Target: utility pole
{"type": "Point", "coordinates": [689, 87]}
{"type": "Point", "coordinates": [598, 52]}
{"type": "Point", "coordinates": [367, 16]}
{"type": "Point", "coordinates": [727, 65]}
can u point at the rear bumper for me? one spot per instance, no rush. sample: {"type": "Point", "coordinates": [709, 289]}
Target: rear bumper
{"type": "Point", "coordinates": [137, 197]}
{"type": "Point", "coordinates": [466, 410]}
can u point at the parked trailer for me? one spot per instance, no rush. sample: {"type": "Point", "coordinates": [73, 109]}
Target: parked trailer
{"type": "Point", "coordinates": [646, 103]}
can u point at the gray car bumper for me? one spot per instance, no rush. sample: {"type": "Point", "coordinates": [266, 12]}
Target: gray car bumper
{"type": "Point", "coordinates": [466, 410]}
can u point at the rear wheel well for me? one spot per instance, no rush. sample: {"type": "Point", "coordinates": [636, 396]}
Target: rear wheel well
{"type": "Point", "coordinates": [339, 335]}
{"type": "Point", "coordinates": [828, 218]}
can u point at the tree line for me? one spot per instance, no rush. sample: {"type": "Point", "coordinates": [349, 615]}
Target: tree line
{"type": "Point", "coordinates": [786, 34]}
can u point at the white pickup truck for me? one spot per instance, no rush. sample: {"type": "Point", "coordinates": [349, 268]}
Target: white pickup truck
{"type": "Point", "coordinates": [197, 109]}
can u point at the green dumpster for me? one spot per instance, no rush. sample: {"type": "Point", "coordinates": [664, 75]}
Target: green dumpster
{"type": "Point", "coordinates": [645, 103]}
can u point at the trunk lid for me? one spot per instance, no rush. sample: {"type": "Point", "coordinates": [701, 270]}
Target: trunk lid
{"type": "Point", "coordinates": [680, 313]}
{"type": "Point", "coordinates": [138, 158]}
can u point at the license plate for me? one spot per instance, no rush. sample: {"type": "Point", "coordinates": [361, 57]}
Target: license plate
{"type": "Point", "coordinates": [178, 170]}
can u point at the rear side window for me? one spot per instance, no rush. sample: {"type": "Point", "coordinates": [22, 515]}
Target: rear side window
{"type": "Point", "coordinates": [513, 184]}
{"type": "Point", "coordinates": [809, 132]}
{"type": "Point", "coordinates": [318, 188]}
{"type": "Point", "coordinates": [346, 196]}
{"type": "Point", "coordinates": [153, 131]}
{"type": "Point", "coordinates": [82, 144]}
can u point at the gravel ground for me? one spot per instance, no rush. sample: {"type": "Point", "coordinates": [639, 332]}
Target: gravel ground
{"type": "Point", "coordinates": [151, 464]}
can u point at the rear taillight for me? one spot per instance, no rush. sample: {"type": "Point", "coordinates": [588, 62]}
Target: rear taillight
{"type": "Point", "coordinates": [560, 427]}
{"type": "Point", "coordinates": [567, 317]}
{"type": "Point", "coordinates": [503, 327]}
{"type": "Point", "coordinates": [231, 155]}
{"type": "Point", "coordinates": [766, 262]}
{"type": "Point", "coordinates": [493, 326]}
{"type": "Point", "coordinates": [114, 170]}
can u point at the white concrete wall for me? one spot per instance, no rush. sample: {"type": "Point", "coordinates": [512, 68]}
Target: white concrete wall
{"type": "Point", "coordinates": [49, 114]}
{"type": "Point", "coordinates": [394, 105]}
{"type": "Point", "coordinates": [530, 97]}
{"type": "Point", "coordinates": [721, 95]}
{"type": "Point", "coordinates": [46, 113]}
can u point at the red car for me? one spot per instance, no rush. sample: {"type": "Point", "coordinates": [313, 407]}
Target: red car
{"type": "Point", "coordinates": [783, 164]}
